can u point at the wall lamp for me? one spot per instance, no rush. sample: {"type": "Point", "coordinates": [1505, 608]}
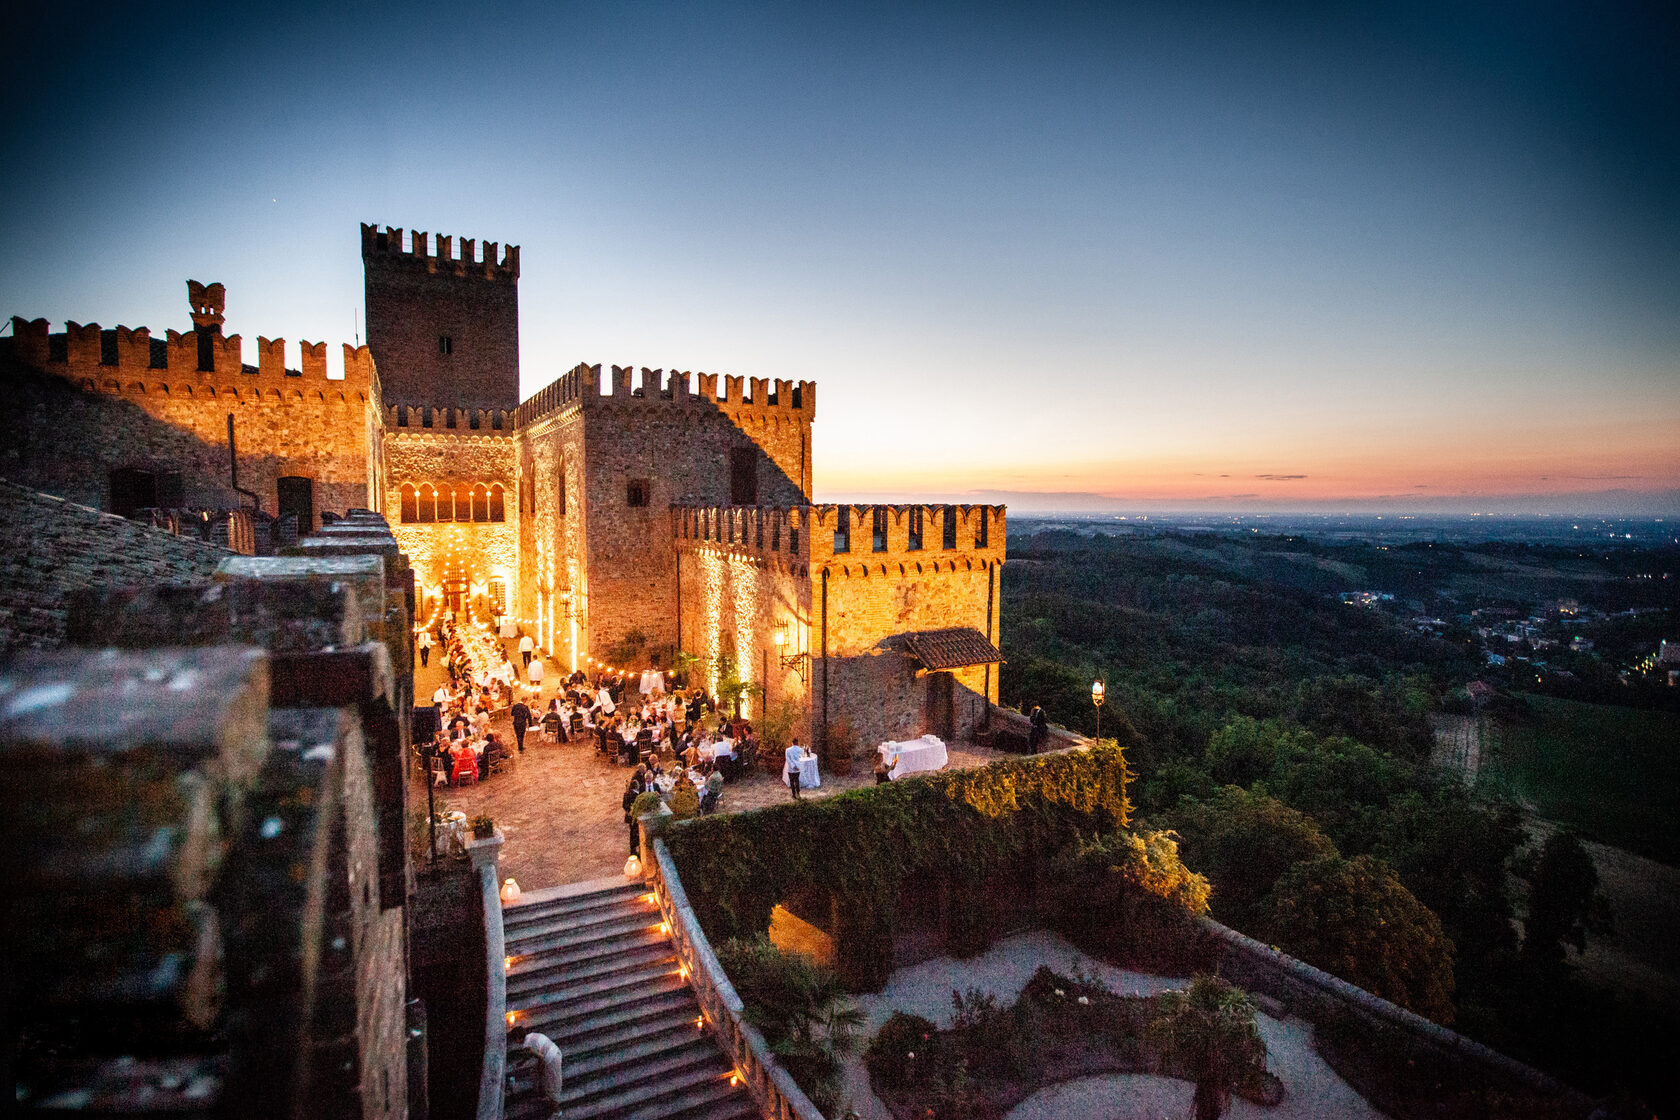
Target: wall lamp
{"type": "Point", "coordinates": [798, 662]}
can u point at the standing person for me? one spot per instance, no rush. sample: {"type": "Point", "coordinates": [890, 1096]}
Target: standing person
{"type": "Point", "coordinates": [534, 672]}
{"type": "Point", "coordinates": [425, 646]}
{"type": "Point", "coordinates": [1040, 730]}
{"type": "Point", "coordinates": [521, 720]}
{"type": "Point", "coordinates": [634, 790]}
{"type": "Point", "coordinates": [526, 645]}
{"type": "Point", "coordinates": [793, 754]}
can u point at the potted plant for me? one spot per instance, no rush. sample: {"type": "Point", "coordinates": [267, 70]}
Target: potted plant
{"type": "Point", "coordinates": [483, 827]}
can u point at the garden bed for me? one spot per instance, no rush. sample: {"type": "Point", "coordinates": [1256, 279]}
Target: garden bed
{"type": "Point", "coordinates": [991, 1058]}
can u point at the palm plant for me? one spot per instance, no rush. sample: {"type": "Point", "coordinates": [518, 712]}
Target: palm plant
{"type": "Point", "coordinates": [1207, 1035]}
{"type": "Point", "coordinates": [801, 1009]}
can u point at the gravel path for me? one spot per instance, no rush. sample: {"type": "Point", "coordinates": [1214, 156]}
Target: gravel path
{"type": "Point", "coordinates": [1312, 1091]}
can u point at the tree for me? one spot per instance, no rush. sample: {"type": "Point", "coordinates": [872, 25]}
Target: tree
{"type": "Point", "coordinates": [1243, 842]}
{"type": "Point", "coordinates": [1354, 919]}
{"type": "Point", "coordinates": [1207, 1035]}
{"type": "Point", "coordinates": [1563, 900]}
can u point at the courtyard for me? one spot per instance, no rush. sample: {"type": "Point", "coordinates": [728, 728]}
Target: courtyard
{"type": "Point", "coordinates": [560, 805]}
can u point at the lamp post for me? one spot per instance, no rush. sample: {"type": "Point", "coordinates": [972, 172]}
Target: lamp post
{"type": "Point", "coordinates": [1097, 690]}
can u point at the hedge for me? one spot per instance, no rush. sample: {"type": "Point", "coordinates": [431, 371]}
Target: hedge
{"type": "Point", "coordinates": [950, 828]}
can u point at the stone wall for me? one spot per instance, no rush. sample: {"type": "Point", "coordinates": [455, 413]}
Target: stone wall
{"type": "Point", "coordinates": [50, 547]}
{"type": "Point", "coordinates": [95, 417]}
{"type": "Point", "coordinates": [732, 604]}
{"type": "Point", "coordinates": [416, 296]}
{"type": "Point", "coordinates": [553, 532]}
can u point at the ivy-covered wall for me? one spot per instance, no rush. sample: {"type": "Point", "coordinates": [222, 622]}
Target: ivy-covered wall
{"type": "Point", "coordinates": [868, 848]}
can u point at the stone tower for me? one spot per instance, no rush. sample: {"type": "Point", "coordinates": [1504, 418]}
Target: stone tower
{"type": "Point", "coordinates": [444, 330]}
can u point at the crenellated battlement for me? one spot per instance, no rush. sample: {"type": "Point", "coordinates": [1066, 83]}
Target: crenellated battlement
{"type": "Point", "coordinates": [738, 397]}
{"type": "Point", "coordinates": [430, 420]}
{"type": "Point", "coordinates": [937, 536]}
{"type": "Point", "coordinates": [386, 246]}
{"type": "Point", "coordinates": [772, 534]}
{"type": "Point", "coordinates": [98, 357]}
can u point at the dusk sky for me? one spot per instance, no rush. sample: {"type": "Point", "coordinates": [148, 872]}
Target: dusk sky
{"type": "Point", "coordinates": [1243, 256]}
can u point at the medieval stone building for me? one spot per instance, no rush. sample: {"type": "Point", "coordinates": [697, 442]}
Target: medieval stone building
{"type": "Point", "coordinates": [618, 517]}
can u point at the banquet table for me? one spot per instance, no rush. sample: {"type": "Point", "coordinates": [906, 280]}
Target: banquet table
{"type": "Point", "coordinates": [914, 755]}
{"type": "Point", "coordinates": [808, 777]}
{"type": "Point", "coordinates": [723, 748]}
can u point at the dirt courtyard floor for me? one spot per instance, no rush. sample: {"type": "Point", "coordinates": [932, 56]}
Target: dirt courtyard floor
{"type": "Point", "coordinates": [560, 805]}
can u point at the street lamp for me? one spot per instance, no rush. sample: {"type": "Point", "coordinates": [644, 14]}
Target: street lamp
{"type": "Point", "coordinates": [1097, 690]}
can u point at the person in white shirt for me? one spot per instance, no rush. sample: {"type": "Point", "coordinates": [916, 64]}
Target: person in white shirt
{"type": "Point", "coordinates": [794, 754]}
{"type": "Point", "coordinates": [425, 641]}
{"type": "Point", "coordinates": [441, 696]}
{"type": "Point", "coordinates": [526, 645]}
{"type": "Point", "coordinates": [604, 702]}
{"type": "Point", "coordinates": [534, 673]}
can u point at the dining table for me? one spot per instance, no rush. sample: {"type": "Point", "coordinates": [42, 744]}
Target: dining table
{"type": "Point", "coordinates": [913, 756]}
{"type": "Point", "coordinates": [809, 778]}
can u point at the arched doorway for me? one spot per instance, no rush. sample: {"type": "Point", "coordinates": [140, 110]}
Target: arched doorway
{"type": "Point", "coordinates": [455, 596]}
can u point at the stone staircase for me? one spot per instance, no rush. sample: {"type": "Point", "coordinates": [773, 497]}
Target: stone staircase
{"type": "Point", "coordinates": [592, 970]}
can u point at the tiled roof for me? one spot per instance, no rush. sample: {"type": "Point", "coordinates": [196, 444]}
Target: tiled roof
{"type": "Point", "coordinates": [953, 648]}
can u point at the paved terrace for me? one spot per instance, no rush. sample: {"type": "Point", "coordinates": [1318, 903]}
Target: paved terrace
{"type": "Point", "coordinates": [560, 807]}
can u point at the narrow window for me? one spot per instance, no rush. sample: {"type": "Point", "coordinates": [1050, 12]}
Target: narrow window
{"type": "Point", "coordinates": [473, 420]}
{"type": "Point", "coordinates": [410, 505]}
{"type": "Point", "coordinates": [776, 535]}
{"type": "Point", "coordinates": [637, 492]}
{"type": "Point", "coordinates": [950, 519]}
{"type": "Point", "coordinates": [445, 503]}
{"type": "Point", "coordinates": [425, 417]}
{"type": "Point", "coordinates": [497, 512]}
{"type": "Point", "coordinates": [449, 415]}
{"type": "Point", "coordinates": [107, 348]}
{"type": "Point", "coordinates": [446, 344]}
{"type": "Point", "coordinates": [843, 530]}
{"type": "Point", "coordinates": [743, 476]}
{"type": "Point", "coordinates": [878, 527]}
{"type": "Point", "coordinates": [480, 503]}
{"type": "Point", "coordinates": [428, 504]}
{"type": "Point", "coordinates": [206, 351]}
{"type": "Point", "coordinates": [560, 495]}
{"type": "Point", "coordinates": [915, 540]}
{"type": "Point", "coordinates": [981, 527]}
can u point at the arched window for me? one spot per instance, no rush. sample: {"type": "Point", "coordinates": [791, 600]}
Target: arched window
{"type": "Point", "coordinates": [497, 513]}
{"type": "Point", "coordinates": [410, 505]}
{"type": "Point", "coordinates": [428, 503]}
{"type": "Point", "coordinates": [480, 503]}
{"type": "Point", "coordinates": [446, 502]}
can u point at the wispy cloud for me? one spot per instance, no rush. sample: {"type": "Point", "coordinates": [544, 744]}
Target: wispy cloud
{"type": "Point", "coordinates": [1281, 477]}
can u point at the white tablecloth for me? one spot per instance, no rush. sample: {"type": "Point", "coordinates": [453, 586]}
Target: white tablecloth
{"type": "Point", "coordinates": [720, 749]}
{"type": "Point", "coordinates": [808, 777]}
{"type": "Point", "coordinates": [914, 755]}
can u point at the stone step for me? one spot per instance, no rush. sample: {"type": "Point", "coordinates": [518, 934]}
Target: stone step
{"type": "Point", "coordinates": [558, 973]}
{"type": "Point", "coordinates": [735, 1105]}
{"type": "Point", "coordinates": [653, 1050]}
{"type": "Point", "coordinates": [655, 1069]}
{"type": "Point", "coordinates": [525, 913]}
{"type": "Point", "coordinates": [542, 937]}
{"type": "Point", "coordinates": [675, 1095]}
{"type": "Point", "coordinates": [620, 981]}
{"type": "Point", "coordinates": [672, 1026]}
{"type": "Point", "coordinates": [589, 950]}
{"type": "Point", "coordinates": [574, 1023]}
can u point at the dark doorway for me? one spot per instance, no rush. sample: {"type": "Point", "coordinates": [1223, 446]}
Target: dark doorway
{"type": "Point", "coordinates": [455, 597]}
{"type": "Point", "coordinates": [941, 705]}
{"type": "Point", "coordinates": [132, 490]}
{"type": "Point", "coordinates": [297, 497]}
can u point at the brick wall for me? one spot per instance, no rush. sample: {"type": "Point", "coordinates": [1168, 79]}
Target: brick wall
{"type": "Point", "coordinates": [50, 547]}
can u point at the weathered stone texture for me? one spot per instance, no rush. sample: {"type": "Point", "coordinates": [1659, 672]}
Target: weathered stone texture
{"type": "Point", "coordinates": [50, 547]}
{"type": "Point", "coordinates": [89, 418]}
{"type": "Point", "coordinates": [416, 297]}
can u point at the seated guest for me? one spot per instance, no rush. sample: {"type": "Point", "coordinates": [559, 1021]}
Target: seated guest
{"type": "Point", "coordinates": [714, 792]}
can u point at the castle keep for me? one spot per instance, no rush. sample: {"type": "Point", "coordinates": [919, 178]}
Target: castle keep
{"type": "Point", "coordinates": [618, 515]}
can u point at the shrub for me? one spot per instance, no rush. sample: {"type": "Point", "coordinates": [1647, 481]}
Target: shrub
{"type": "Point", "coordinates": [685, 800]}
{"type": "Point", "coordinates": [902, 1051]}
{"type": "Point", "coordinates": [644, 803]}
{"type": "Point", "coordinates": [1243, 842]}
{"type": "Point", "coordinates": [800, 1009]}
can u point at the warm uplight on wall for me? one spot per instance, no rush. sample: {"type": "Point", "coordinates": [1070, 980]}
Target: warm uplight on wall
{"type": "Point", "coordinates": [798, 662]}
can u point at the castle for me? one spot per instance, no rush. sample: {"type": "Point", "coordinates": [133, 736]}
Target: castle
{"type": "Point", "coordinates": [618, 518]}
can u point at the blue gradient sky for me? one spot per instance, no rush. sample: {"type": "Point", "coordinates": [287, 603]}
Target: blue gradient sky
{"type": "Point", "coordinates": [1174, 254]}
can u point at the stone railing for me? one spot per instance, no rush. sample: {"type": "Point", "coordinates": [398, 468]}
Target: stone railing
{"type": "Point", "coordinates": [720, 1006]}
{"type": "Point", "coordinates": [493, 1078]}
{"type": "Point", "coordinates": [1310, 992]}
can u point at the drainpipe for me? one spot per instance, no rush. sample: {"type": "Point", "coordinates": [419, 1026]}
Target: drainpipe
{"type": "Point", "coordinates": [233, 470]}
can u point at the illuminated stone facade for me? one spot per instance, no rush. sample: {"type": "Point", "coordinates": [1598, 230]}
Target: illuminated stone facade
{"type": "Point", "coordinates": [617, 518]}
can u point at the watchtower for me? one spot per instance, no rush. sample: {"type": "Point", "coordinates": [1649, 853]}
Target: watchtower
{"type": "Point", "coordinates": [443, 329]}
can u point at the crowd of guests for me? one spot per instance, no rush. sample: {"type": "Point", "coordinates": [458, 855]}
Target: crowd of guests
{"type": "Point", "coordinates": [461, 747]}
